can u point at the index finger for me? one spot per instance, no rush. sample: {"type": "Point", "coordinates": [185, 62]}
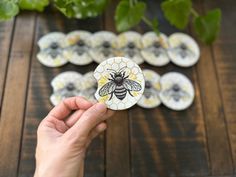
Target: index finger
{"type": "Point", "coordinates": [63, 109]}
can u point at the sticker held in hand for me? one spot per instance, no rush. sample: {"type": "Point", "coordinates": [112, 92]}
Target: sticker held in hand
{"type": "Point", "coordinates": [120, 83]}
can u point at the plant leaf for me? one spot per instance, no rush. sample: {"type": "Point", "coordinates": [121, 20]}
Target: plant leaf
{"type": "Point", "coordinates": [38, 5]}
{"type": "Point", "coordinates": [177, 12]}
{"type": "Point", "coordinates": [127, 16]}
{"type": "Point", "coordinates": [8, 9]}
{"type": "Point", "coordinates": [66, 7]}
{"type": "Point", "coordinates": [207, 26]}
{"type": "Point", "coordinates": [89, 8]}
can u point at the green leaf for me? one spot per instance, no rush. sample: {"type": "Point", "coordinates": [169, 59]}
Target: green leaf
{"type": "Point", "coordinates": [89, 8]}
{"type": "Point", "coordinates": [38, 5]}
{"type": "Point", "coordinates": [127, 16]}
{"type": "Point", "coordinates": [81, 8]}
{"type": "Point", "coordinates": [177, 12]}
{"type": "Point", "coordinates": [8, 9]}
{"type": "Point", "coordinates": [66, 7]}
{"type": "Point", "coordinates": [207, 26]}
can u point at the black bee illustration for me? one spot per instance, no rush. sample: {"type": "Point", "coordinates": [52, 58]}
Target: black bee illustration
{"type": "Point", "coordinates": [176, 93]}
{"type": "Point", "coordinates": [183, 51]}
{"type": "Point", "coordinates": [119, 85]}
{"type": "Point", "coordinates": [156, 49]}
{"type": "Point", "coordinates": [53, 50]}
{"type": "Point", "coordinates": [149, 90]}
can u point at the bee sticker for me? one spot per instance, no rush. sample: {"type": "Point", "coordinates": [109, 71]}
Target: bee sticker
{"type": "Point", "coordinates": [150, 98]}
{"type": "Point", "coordinates": [177, 91]}
{"type": "Point", "coordinates": [51, 49]}
{"type": "Point", "coordinates": [66, 84]}
{"type": "Point", "coordinates": [103, 45]}
{"type": "Point", "coordinates": [183, 50]}
{"type": "Point", "coordinates": [129, 45]}
{"type": "Point", "coordinates": [154, 49]}
{"type": "Point", "coordinates": [116, 86]}
{"type": "Point", "coordinates": [77, 47]}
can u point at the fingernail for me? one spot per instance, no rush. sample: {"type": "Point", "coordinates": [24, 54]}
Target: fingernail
{"type": "Point", "coordinates": [101, 107]}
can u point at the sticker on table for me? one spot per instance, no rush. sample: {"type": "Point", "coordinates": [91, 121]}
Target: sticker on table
{"type": "Point", "coordinates": [177, 91]}
{"type": "Point", "coordinates": [77, 47]}
{"type": "Point", "coordinates": [154, 49]}
{"type": "Point", "coordinates": [89, 86]}
{"type": "Point", "coordinates": [51, 49]}
{"type": "Point", "coordinates": [183, 50]}
{"type": "Point", "coordinates": [103, 45]}
{"type": "Point", "coordinates": [150, 97]}
{"type": "Point", "coordinates": [129, 44]}
{"type": "Point", "coordinates": [65, 85]}
{"type": "Point", "coordinates": [120, 83]}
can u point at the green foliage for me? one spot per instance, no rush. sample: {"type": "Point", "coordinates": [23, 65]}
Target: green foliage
{"type": "Point", "coordinates": [207, 26]}
{"type": "Point", "coordinates": [128, 15]}
{"type": "Point", "coordinates": [177, 12]}
{"type": "Point", "coordinates": [8, 9]}
{"type": "Point", "coordinates": [33, 4]}
{"type": "Point", "coordinates": [81, 8]}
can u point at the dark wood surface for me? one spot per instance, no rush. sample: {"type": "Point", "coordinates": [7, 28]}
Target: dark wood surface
{"type": "Point", "coordinates": [197, 142]}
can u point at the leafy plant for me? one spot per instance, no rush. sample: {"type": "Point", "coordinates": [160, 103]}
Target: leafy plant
{"type": "Point", "coordinates": [128, 14]}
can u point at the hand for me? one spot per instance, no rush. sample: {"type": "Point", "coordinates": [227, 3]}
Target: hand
{"type": "Point", "coordinates": [64, 135]}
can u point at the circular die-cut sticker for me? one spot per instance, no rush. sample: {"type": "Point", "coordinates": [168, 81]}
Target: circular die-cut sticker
{"type": "Point", "coordinates": [51, 49]}
{"type": "Point", "coordinates": [66, 84]}
{"type": "Point", "coordinates": [154, 49]}
{"type": "Point", "coordinates": [103, 45]}
{"type": "Point", "coordinates": [183, 50]}
{"type": "Point", "coordinates": [150, 97]}
{"type": "Point", "coordinates": [129, 44]}
{"type": "Point", "coordinates": [89, 86]}
{"type": "Point", "coordinates": [177, 91]}
{"type": "Point", "coordinates": [120, 83]}
{"type": "Point", "coordinates": [77, 47]}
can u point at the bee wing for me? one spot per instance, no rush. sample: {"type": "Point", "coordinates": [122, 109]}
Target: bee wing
{"type": "Point", "coordinates": [132, 85]}
{"type": "Point", "coordinates": [108, 88]}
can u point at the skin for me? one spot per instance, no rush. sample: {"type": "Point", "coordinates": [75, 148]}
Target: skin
{"type": "Point", "coordinates": [65, 134]}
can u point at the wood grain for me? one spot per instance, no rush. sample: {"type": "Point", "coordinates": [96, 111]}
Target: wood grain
{"type": "Point", "coordinates": [166, 142]}
{"type": "Point", "coordinates": [15, 92]}
{"type": "Point", "coordinates": [218, 141]}
{"type": "Point", "coordinates": [224, 59]}
{"type": "Point", "coordinates": [38, 103]}
{"type": "Point", "coordinates": [6, 29]}
{"type": "Point", "coordinates": [117, 136]}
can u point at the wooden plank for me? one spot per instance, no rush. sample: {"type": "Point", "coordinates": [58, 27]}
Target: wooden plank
{"type": "Point", "coordinates": [15, 94]}
{"type": "Point", "coordinates": [224, 59]}
{"type": "Point", "coordinates": [6, 29]}
{"type": "Point", "coordinates": [218, 141]}
{"type": "Point", "coordinates": [166, 142]}
{"type": "Point", "coordinates": [40, 90]}
{"type": "Point", "coordinates": [117, 136]}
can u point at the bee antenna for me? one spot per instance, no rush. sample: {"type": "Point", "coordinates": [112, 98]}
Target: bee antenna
{"type": "Point", "coordinates": [111, 70]}
{"type": "Point", "coordinates": [122, 68]}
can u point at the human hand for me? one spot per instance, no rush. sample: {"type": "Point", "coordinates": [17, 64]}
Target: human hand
{"type": "Point", "coordinates": [63, 137]}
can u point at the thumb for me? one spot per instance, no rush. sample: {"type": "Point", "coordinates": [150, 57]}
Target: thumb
{"type": "Point", "coordinates": [89, 119]}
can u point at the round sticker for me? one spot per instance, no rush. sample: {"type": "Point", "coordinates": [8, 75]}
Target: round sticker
{"type": "Point", "coordinates": [154, 49]}
{"type": "Point", "coordinates": [183, 50]}
{"type": "Point", "coordinates": [77, 47]}
{"type": "Point", "coordinates": [129, 44]}
{"type": "Point", "coordinates": [51, 49]}
{"type": "Point", "coordinates": [120, 83]}
{"type": "Point", "coordinates": [103, 45]}
{"type": "Point", "coordinates": [177, 91]}
{"type": "Point", "coordinates": [150, 98]}
{"type": "Point", "coordinates": [66, 84]}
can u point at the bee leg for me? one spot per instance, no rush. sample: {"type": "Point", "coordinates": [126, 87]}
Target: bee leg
{"type": "Point", "coordinates": [130, 93]}
{"type": "Point", "coordinates": [111, 96]}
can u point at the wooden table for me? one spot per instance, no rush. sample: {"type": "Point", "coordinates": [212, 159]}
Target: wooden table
{"type": "Point", "coordinates": [200, 141]}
